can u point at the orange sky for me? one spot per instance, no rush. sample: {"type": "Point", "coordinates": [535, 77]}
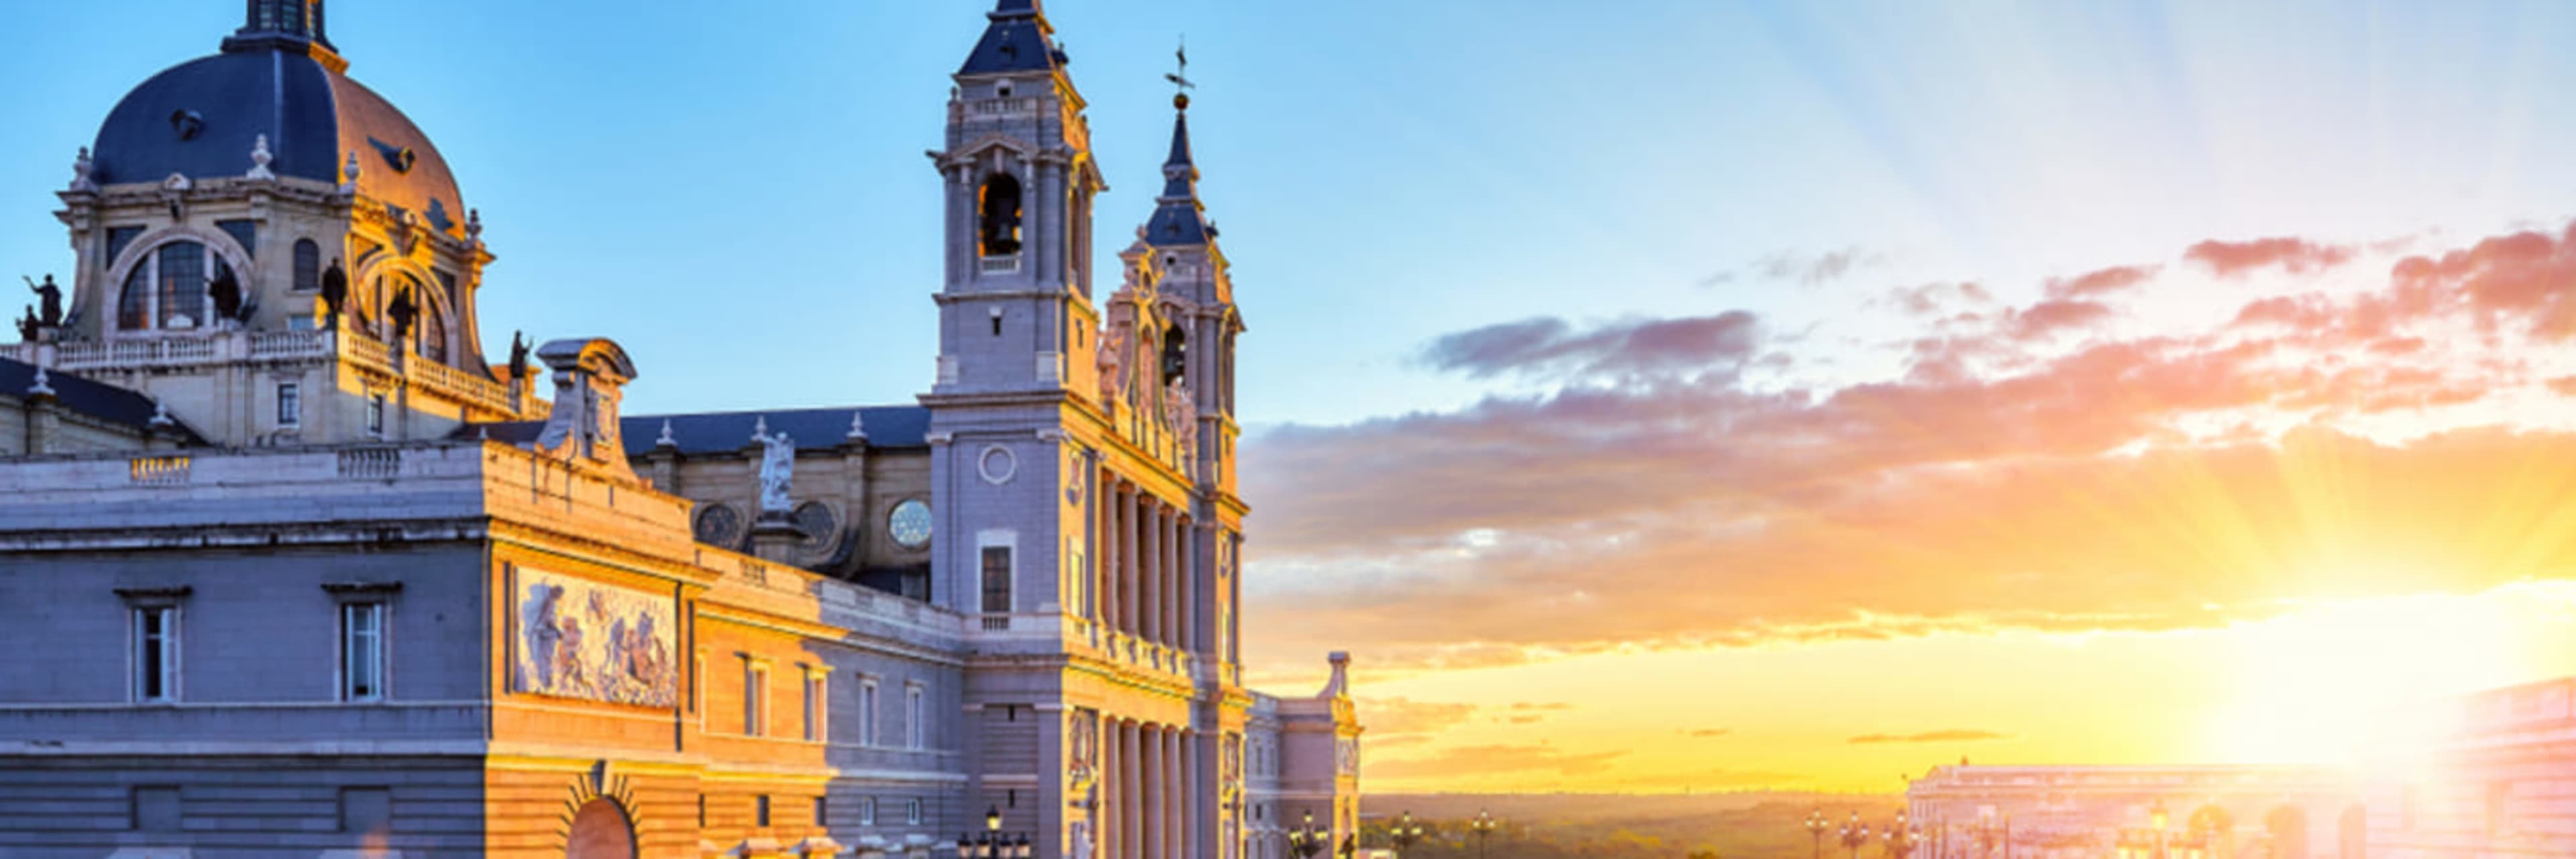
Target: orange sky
{"type": "Point", "coordinates": [2222, 507]}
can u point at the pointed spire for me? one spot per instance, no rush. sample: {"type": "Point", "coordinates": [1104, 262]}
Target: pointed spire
{"type": "Point", "coordinates": [666, 440]}
{"type": "Point", "coordinates": [1179, 217]}
{"type": "Point", "coordinates": [1019, 39]}
{"type": "Point", "coordinates": [858, 426]}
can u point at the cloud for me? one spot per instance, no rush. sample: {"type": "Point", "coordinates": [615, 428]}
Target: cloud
{"type": "Point", "coordinates": [2296, 256]}
{"type": "Point", "coordinates": [1551, 706]}
{"type": "Point", "coordinates": [1551, 346]}
{"type": "Point", "coordinates": [1953, 735]}
{"type": "Point", "coordinates": [1706, 732]}
{"type": "Point", "coordinates": [1813, 269]}
{"type": "Point", "coordinates": [2100, 282]}
{"type": "Point", "coordinates": [1938, 297]}
{"type": "Point", "coordinates": [2146, 480]}
{"type": "Point", "coordinates": [1403, 716]}
{"type": "Point", "coordinates": [2055, 315]}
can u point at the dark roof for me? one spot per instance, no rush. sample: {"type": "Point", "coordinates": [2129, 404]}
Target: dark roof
{"type": "Point", "coordinates": [97, 400]}
{"type": "Point", "coordinates": [282, 87]}
{"type": "Point", "coordinates": [727, 432]}
{"type": "Point", "coordinates": [1179, 218]}
{"type": "Point", "coordinates": [1016, 41]}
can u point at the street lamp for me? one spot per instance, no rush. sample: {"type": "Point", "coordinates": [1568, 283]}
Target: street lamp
{"type": "Point", "coordinates": [1405, 833]}
{"type": "Point", "coordinates": [993, 844]}
{"type": "Point", "coordinates": [2156, 815]}
{"type": "Point", "coordinates": [1900, 838]}
{"type": "Point", "coordinates": [1484, 826]}
{"type": "Point", "coordinates": [1855, 834]}
{"type": "Point", "coordinates": [1816, 826]}
{"type": "Point", "coordinates": [1306, 841]}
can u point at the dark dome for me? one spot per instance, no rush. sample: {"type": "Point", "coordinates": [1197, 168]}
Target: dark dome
{"type": "Point", "coordinates": [201, 118]}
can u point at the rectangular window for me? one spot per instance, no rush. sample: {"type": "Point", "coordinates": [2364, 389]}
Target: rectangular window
{"type": "Point", "coordinates": [821, 804]}
{"type": "Point", "coordinates": [366, 810]}
{"type": "Point", "coordinates": [156, 654]}
{"type": "Point", "coordinates": [912, 812]}
{"type": "Point", "coordinates": [362, 651]}
{"type": "Point", "coordinates": [814, 703]}
{"type": "Point", "coordinates": [912, 727]}
{"type": "Point", "coordinates": [376, 414]}
{"type": "Point", "coordinates": [290, 404]}
{"type": "Point", "coordinates": [154, 809]}
{"type": "Point", "coordinates": [868, 712]}
{"type": "Point", "coordinates": [755, 691]}
{"type": "Point", "coordinates": [760, 810]}
{"type": "Point", "coordinates": [997, 580]}
{"type": "Point", "coordinates": [868, 811]}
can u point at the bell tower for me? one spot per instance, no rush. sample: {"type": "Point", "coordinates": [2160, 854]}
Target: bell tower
{"type": "Point", "coordinates": [1015, 311]}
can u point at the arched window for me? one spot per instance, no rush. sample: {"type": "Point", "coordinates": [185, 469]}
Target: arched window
{"type": "Point", "coordinates": [308, 265]}
{"type": "Point", "coordinates": [1176, 355]}
{"type": "Point", "coordinates": [431, 342]}
{"type": "Point", "coordinates": [999, 206]}
{"type": "Point", "coordinates": [167, 288]}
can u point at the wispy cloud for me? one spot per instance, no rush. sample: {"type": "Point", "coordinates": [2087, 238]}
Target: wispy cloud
{"type": "Point", "coordinates": [1952, 735]}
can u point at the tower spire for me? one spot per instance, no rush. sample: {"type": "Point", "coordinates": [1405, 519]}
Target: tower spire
{"type": "Point", "coordinates": [1179, 217]}
{"type": "Point", "coordinates": [1018, 39]}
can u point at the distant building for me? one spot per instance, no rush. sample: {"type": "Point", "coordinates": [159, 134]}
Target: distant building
{"type": "Point", "coordinates": [2094, 812]}
{"type": "Point", "coordinates": [2503, 784]}
{"type": "Point", "coordinates": [289, 567]}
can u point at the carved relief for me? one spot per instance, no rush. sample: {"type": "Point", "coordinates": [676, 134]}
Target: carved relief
{"type": "Point", "coordinates": [580, 639]}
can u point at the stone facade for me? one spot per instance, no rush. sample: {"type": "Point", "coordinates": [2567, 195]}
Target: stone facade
{"type": "Point", "coordinates": [307, 574]}
{"type": "Point", "coordinates": [2502, 783]}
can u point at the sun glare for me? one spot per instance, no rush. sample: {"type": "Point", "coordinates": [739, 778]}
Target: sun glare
{"type": "Point", "coordinates": [2338, 682]}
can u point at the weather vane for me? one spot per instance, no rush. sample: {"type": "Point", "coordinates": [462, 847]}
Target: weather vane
{"type": "Point", "coordinates": [1181, 79]}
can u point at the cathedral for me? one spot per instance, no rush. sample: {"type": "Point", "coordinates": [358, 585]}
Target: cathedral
{"type": "Point", "coordinates": [291, 567]}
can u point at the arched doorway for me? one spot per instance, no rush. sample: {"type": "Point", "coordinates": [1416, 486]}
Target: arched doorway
{"type": "Point", "coordinates": [2288, 826]}
{"type": "Point", "coordinates": [600, 830]}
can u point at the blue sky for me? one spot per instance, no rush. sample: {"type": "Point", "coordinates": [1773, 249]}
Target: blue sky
{"type": "Point", "coordinates": [740, 198]}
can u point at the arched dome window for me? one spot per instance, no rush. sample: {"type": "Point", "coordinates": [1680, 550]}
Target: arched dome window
{"type": "Point", "coordinates": [308, 266]}
{"type": "Point", "coordinates": [167, 288]}
{"type": "Point", "coordinates": [431, 343]}
{"type": "Point", "coordinates": [1176, 355]}
{"type": "Point", "coordinates": [999, 205]}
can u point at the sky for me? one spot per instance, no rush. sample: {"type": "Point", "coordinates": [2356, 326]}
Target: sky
{"type": "Point", "coordinates": [1655, 396]}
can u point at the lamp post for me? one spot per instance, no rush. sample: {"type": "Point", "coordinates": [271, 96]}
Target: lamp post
{"type": "Point", "coordinates": [1484, 826]}
{"type": "Point", "coordinates": [1900, 838]}
{"type": "Point", "coordinates": [1816, 826]}
{"type": "Point", "coordinates": [2156, 816]}
{"type": "Point", "coordinates": [1855, 834]}
{"type": "Point", "coordinates": [1404, 834]}
{"type": "Point", "coordinates": [1306, 841]}
{"type": "Point", "coordinates": [993, 844]}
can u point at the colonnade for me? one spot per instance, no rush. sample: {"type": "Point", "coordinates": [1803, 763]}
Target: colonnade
{"type": "Point", "coordinates": [1148, 578]}
{"type": "Point", "coordinates": [1150, 798]}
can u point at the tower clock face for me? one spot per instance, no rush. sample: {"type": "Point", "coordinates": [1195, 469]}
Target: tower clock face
{"type": "Point", "coordinates": [910, 524]}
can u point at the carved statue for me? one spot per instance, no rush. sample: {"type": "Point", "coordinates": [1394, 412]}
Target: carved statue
{"type": "Point", "coordinates": [777, 468]}
{"type": "Point", "coordinates": [1113, 352]}
{"type": "Point", "coordinates": [403, 311]}
{"type": "Point", "coordinates": [335, 292]}
{"type": "Point", "coordinates": [226, 292]}
{"type": "Point", "coordinates": [260, 158]}
{"type": "Point", "coordinates": [1081, 841]}
{"type": "Point", "coordinates": [52, 297]}
{"type": "Point", "coordinates": [518, 356]}
{"type": "Point", "coordinates": [84, 172]}
{"type": "Point", "coordinates": [27, 326]}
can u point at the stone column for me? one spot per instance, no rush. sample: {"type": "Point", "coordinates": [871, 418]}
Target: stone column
{"type": "Point", "coordinates": [1193, 804]}
{"type": "Point", "coordinates": [1152, 739]}
{"type": "Point", "coordinates": [1167, 528]}
{"type": "Point", "coordinates": [1104, 810]}
{"type": "Point", "coordinates": [1149, 527]}
{"type": "Point", "coordinates": [1175, 803]}
{"type": "Point", "coordinates": [1191, 638]}
{"type": "Point", "coordinates": [1131, 792]}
